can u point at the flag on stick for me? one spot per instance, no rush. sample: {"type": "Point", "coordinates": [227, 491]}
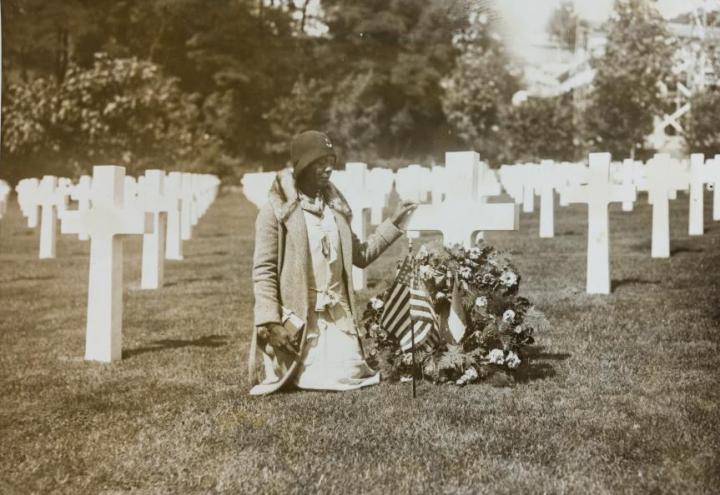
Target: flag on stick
{"type": "Point", "coordinates": [409, 307]}
{"type": "Point", "coordinates": [456, 318]}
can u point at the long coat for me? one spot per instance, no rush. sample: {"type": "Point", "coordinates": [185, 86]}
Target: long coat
{"type": "Point", "coordinates": [282, 270]}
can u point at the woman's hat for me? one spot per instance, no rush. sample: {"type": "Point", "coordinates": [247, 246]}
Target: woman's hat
{"type": "Point", "coordinates": [307, 147]}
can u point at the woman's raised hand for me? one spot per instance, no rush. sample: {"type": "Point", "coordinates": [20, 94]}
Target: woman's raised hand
{"type": "Point", "coordinates": [402, 214]}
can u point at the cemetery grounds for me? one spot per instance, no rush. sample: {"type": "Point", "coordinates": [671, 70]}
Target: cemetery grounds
{"type": "Point", "coordinates": [622, 394]}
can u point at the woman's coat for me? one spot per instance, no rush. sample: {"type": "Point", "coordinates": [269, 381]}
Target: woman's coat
{"type": "Point", "coordinates": [282, 270]}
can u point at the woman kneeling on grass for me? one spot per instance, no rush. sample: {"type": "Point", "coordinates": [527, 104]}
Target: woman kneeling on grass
{"type": "Point", "coordinates": [302, 269]}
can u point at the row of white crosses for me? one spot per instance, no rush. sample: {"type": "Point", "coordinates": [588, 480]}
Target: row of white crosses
{"type": "Point", "coordinates": [4, 195]}
{"type": "Point", "coordinates": [111, 206]}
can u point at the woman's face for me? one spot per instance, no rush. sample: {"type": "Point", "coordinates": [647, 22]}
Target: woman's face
{"type": "Point", "coordinates": [318, 172]}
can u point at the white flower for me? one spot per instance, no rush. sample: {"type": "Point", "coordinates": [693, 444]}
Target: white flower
{"type": "Point", "coordinates": [474, 253]}
{"type": "Point", "coordinates": [376, 303]}
{"type": "Point", "coordinates": [508, 278]}
{"type": "Point", "coordinates": [426, 272]}
{"type": "Point", "coordinates": [496, 356]}
{"type": "Point", "coordinates": [440, 296]}
{"type": "Point", "coordinates": [508, 316]}
{"type": "Point", "coordinates": [469, 376]}
{"type": "Point", "coordinates": [481, 301]}
{"type": "Point", "coordinates": [465, 272]}
{"type": "Point", "coordinates": [512, 360]}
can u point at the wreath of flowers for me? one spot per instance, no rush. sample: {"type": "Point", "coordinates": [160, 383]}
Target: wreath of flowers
{"type": "Point", "coordinates": [499, 324]}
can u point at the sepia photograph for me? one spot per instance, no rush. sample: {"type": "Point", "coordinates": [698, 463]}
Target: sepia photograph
{"type": "Point", "coordinates": [360, 246]}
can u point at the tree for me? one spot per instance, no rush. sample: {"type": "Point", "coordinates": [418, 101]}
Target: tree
{"type": "Point", "coordinates": [703, 128]}
{"type": "Point", "coordinates": [478, 88]}
{"type": "Point", "coordinates": [399, 50]}
{"type": "Point", "coordinates": [121, 111]}
{"type": "Point", "coordinates": [539, 128]}
{"type": "Point", "coordinates": [626, 90]}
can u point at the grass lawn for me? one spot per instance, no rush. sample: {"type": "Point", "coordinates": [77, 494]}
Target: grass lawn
{"type": "Point", "coordinates": [622, 396]}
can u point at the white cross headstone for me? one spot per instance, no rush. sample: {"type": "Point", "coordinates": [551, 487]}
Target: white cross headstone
{"type": "Point", "coordinates": [598, 194]}
{"type": "Point", "coordinates": [627, 176]}
{"type": "Point", "coordinates": [152, 198]}
{"type": "Point", "coordinates": [4, 194]}
{"type": "Point", "coordinates": [173, 240]}
{"type": "Point", "coordinates": [357, 194]}
{"type": "Point", "coordinates": [186, 207]}
{"type": "Point", "coordinates": [713, 180]}
{"type": "Point", "coordinates": [48, 201]}
{"type": "Point", "coordinates": [28, 194]}
{"type": "Point", "coordinates": [461, 213]}
{"type": "Point", "coordinates": [529, 181]}
{"type": "Point", "coordinates": [546, 183]}
{"type": "Point", "coordinates": [107, 222]}
{"type": "Point", "coordinates": [256, 187]}
{"type": "Point", "coordinates": [696, 220]}
{"type": "Point", "coordinates": [81, 193]}
{"type": "Point", "coordinates": [660, 184]}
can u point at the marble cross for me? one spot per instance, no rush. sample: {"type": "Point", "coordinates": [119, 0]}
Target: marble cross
{"type": "Point", "coordinates": [28, 199]}
{"type": "Point", "coordinates": [356, 192]}
{"type": "Point", "coordinates": [529, 181]}
{"type": "Point", "coordinates": [713, 180]}
{"type": "Point", "coordinates": [462, 213]}
{"type": "Point", "coordinates": [698, 177]}
{"type": "Point", "coordinates": [186, 208]}
{"type": "Point", "coordinates": [4, 194]}
{"type": "Point", "coordinates": [49, 202]}
{"type": "Point", "coordinates": [256, 186]}
{"type": "Point", "coordinates": [152, 198]}
{"type": "Point", "coordinates": [173, 240]}
{"type": "Point", "coordinates": [660, 184]}
{"type": "Point", "coordinates": [107, 222]}
{"type": "Point", "coordinates": [546, 184]}
{"type": "Point", "coordinates": [81, 193]}
{"type": "Point", "coordinates": [598, 193]}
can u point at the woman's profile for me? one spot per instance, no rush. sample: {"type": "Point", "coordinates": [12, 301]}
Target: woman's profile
{"type": "Point", "coordinates": [305, 314]}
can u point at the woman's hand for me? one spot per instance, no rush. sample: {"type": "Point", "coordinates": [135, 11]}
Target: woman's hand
{"type": "Point", "coordinates": [402, 214]}
{"type": "Point", "coordinates": [277, 337]}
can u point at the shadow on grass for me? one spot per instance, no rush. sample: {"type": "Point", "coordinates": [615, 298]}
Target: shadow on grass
{"type": "Point", "coordinates": [535, 368]}
{"type": "Point", "coordinates": [569, 233]}
{"type": "Point", "coordinates": [211, 341]}
{"type": "Point", "coordinates": [684, 249]}
{"type": "Point", "coordinates": [37, 277]}
{"type": "Point", "coordinates": [214, 278]}
{"type": "Point", "coordinates": [616, 284]}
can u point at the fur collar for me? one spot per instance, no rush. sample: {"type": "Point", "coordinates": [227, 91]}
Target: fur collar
{"type": "Point", "coordinates": [283, 197]}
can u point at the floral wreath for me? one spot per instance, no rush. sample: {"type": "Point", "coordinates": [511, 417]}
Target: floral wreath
{"type": "Point", "coordinates": [498, 324]}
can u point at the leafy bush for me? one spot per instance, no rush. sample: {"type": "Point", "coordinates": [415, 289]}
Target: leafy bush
{"type": "Point", "coordinates": [703, 129]}
{"type": "Point", "coordinates": [120, 111]}
{"type": "Point", "coordinates": [540, 128]}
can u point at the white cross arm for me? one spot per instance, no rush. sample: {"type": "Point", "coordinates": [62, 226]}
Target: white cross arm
{"type": "Point", "coordinates": [108, 222]}
{"type": "Point", "coordinates": [459, 219]}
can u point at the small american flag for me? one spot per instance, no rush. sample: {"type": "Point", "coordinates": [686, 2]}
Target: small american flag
{"type": "Point", "coordinates": [409, 306]}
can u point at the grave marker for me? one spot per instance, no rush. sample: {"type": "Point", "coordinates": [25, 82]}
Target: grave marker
{"type": "Point", "coordinates": [461, 213]}
{"type": "Point", "coordinates": [107, 222]}
{"type": "Point", "coordinates": [598, 193]}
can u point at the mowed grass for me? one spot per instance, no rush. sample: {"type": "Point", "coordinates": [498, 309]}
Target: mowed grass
{"type": "Point", "coordinates": [621, 396]}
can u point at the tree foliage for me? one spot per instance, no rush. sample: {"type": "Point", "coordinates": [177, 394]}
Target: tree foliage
{"type": "Point", "coordinates": [122, 111]}
{"type": "Point", "coordinates": [626, 90]}
{"type": "Point", "coordinates": [540, 128]}
{"type": "Point", "coordinates": [478, 89]}
{"type": "Point", "coordinates": [703, 128]}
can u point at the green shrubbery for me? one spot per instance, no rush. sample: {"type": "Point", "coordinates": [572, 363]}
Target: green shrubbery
{"type": "Point", "coordinates": [120, 111]}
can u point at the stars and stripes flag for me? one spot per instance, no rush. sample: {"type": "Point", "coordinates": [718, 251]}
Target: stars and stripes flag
{"type": "Point", "coordinates": [407, 307]}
